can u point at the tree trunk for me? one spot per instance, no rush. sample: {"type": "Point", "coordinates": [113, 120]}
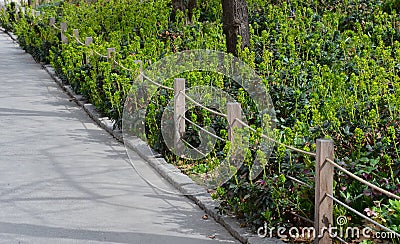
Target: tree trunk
{"type": "Point", "coordinates": [180, 5]}
{"type": "Point", "coordinates": [177, 5]}
{"type": "Point", "coordinates": [236, 23]}
{"type": "Point", "coordinates": [192, 4]}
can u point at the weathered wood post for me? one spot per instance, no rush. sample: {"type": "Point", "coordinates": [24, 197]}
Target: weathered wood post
{"type": "Point", "coordinates": [323, 185]}
{"type": "Point", "coordinates": [111, 56]}
{"type": "Point", "coordinates": [179, 111]}
{"type": "Point", "coordinates": [140, 69]}
{"type": "Point", "coordinates": [88, 41]}
{"type": "Point", "coordinates": [234, 112]}
{"type": "Point", "coordinates": [52, 21]}
{"type": "Point", "coordinates": [76, 34]}
{"type": "Point", "coordinates": [16, 13]}
{"type": "Point", "coordinates": [64, 27]}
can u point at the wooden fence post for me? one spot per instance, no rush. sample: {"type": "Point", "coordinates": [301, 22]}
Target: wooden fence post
{"type": "Point", "coordinates": [140, 69]}
{"type": "Point", "coordinates": [179, 110]}
{"type": "Point", "coordinates": [323, 185]}
{"type": "Point", "coordinates": [111, 56]}
{"type": "Point", "coordinates": [64, 27]}
{"type": "Point", "coordinates": [76, 34]}
{"type": "Point", "coordinates": [52, 21]}
{"type": "Point", "coordinates": [88, 41]}
{"type": "Point", "coordinates": [17, 13]}
{"type": "Point", "coordinates": [234, 112]}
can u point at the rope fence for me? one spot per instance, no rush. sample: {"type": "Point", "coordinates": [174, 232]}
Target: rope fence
{"type": "Point", "coordinates": [299, 181]}
{"type": "Point", "coordinates": [202, 106]}
{"type": "Point", "coordinates": [155, 83]}
{"type": "Point", "coordinates": [325, 161]}
{"type": "Point", "coordinates": [202, 129]}
{"type": "Point", "coordinates": [99, 54]}
{"type": "Point", "coordinates": [362, 215]}
{"type": "Point", "coordinates": [76, 34]}
{"type": "Point", "coordinates": [55, 27]}
{"type": "Point", "coordinates": [389, 194]}
{"type": "Point", "coordinates": [275, 141]}
{"type": "Point", "coordinates": [192, 147]}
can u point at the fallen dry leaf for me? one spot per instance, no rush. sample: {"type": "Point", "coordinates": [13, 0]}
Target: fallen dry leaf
{"type": "Point", "coordinates": [211, 236]}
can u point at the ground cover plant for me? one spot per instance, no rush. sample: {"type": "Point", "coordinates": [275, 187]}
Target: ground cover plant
{"type": "Point", "coordinates": [332, 69]}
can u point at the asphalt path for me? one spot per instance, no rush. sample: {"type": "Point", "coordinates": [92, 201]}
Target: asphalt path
{"type": "Point", "coordinates": [65, 180]}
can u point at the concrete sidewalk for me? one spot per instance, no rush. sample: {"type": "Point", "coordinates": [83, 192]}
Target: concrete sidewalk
{"type": "Point", "coordinates": [65, 180]}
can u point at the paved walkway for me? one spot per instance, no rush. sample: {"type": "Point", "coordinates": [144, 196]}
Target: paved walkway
{"type": "Point", "coordinates": [65, 180]}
